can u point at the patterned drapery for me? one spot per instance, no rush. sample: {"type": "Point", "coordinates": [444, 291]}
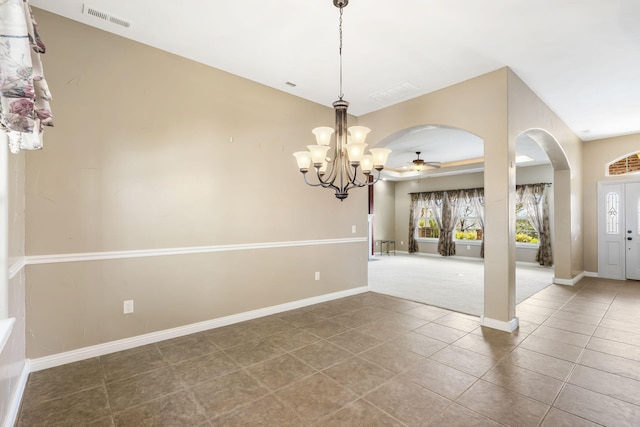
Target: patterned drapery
{"type": "Point", "coordinates": [414, 213]}
{"type": "Point", "coordinates": [24, 94]}
{"type": "Point", "coordinates": [435, 199]}
{"type": "Point", "coordinates": [446, 210]}
{"type": "Point", "coordinates": [478, 199]}
{"type": "Point", "coordinates": [450, 216]}
{"type": "Point", "coordinates": [535, 202]}
{"type": "Point", "coordinates": [419, 201]}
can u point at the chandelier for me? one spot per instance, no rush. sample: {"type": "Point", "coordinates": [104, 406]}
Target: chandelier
{"type": "Point", "coordinates": [350, 167]}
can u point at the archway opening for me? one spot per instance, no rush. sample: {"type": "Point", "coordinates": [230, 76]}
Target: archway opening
{"type": "Point", "coordinates": [559, 173]}
{"type": "Point", "coordinates": [459, 155]}
{"type": "Point", "coordinates": [429, 158]}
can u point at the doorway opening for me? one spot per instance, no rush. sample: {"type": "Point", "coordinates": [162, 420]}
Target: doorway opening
{"type": "Point", "coordinates": [542, 161]}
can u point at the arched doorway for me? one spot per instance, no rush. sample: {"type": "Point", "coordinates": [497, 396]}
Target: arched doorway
{"type": "Point", "coordinates": [391, 204]}
{"type": "Point", "coordinates": [450, 158]}
{"type": "Point", "coordinates": [561, 211]}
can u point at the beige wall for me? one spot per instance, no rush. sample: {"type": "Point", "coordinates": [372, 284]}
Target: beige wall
{"type": "Point", "coordinates": [12, 359]}
{"type": "Point", "coordinates": [596, 156]}
{"type": "Point", "coordinates": [528, 113]}
{"type": "Point", "coordinates": [152, 151]}
{"type": "Point", "coordinates": [170, 291]}
{"type": "Point", "coordinates": [384, 220]}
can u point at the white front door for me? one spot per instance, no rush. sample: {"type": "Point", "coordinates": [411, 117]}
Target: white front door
{"type": "Point", "coordinates": [619, 230]}
{"type": "Point", "coordinates": [632, 231]}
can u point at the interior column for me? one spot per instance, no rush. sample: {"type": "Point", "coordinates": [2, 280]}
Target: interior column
{"type": "Point", "coordinates": [499, 245]}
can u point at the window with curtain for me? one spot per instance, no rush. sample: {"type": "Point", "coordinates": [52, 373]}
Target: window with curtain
{"type": "Point", "coordinates": [427, 224]}
{"type": "Point", "coordinates": [458, 215]}
{"type": "Point", "coordinates": [468, 226]}
{"type": "Point", "coordinates": [525, 231]}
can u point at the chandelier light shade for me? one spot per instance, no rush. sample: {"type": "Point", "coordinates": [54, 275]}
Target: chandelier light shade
{"type": "Point", "coordinates": [339, 158]}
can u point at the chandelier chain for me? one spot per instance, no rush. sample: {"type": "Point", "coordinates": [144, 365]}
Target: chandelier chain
{"type": "Point", "coordinates": [341, 95]}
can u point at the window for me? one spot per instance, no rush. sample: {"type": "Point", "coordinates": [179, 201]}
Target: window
{"type": "Point", "coordinates": [461, 217]}
{"type": "Point", "coordinates": [427, 226]}
{"type": "Point", "coordinates": [613, 201]}
{"type": "Point", "coordinates": [627, 165]}
{"type": "Point", "coordinates": [468, 227]}
{"type": "Point", "coordinates": [525, 232]}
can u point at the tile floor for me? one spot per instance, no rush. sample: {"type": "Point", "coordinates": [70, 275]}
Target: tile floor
{"type": "Point", "coordinates": [370, 360]}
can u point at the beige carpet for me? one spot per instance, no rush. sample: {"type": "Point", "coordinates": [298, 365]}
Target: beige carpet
{"type": "Point", "coordinates": [448, 282]}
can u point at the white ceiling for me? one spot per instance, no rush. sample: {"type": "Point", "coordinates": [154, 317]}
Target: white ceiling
{"type": "Point", "coordinates": [581, 57]}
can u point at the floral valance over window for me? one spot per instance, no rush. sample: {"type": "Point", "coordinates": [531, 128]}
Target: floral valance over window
{"type": "Point", "coordinates": [24, 95]}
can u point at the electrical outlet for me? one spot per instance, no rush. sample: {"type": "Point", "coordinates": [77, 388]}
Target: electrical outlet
{"type": "Point", "coordinates": [353, 229]}
{"type": "Point", "coordinates": [127, 307]}
{"type": "Point", "coordinates": [401, 242]}
{"type": "Point", "coordinates": [317, 275]}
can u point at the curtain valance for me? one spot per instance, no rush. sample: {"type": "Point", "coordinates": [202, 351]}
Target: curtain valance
{"type": "Point", "coordinates": [24, 94]}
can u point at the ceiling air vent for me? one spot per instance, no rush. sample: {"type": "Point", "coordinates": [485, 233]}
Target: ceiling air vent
{"type": "Point", "coordinates": [396, 93]}
{"type": "Point", "coordinates": [92, 11]}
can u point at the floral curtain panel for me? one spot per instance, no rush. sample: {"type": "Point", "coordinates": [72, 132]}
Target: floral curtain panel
{"type": "Point", "coordinates": [421, 201]}
{"type": "Point", "coordinates": [450, 216]}
{"type": "Point", "coordinates": [24, 94]}
{"type": "Point", "coordinates": [435, 200]}
{"type": "Point", "coordinates": [414, 213]}
{"type": "Point", "coordinates": [475, 197]}
{"type": "Point", "coordinates": [535, 202]}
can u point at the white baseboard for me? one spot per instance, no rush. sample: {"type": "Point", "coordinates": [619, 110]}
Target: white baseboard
{"type": "Point", "coordinates": [500, 325]}
{"type": "Point", "coordinates": [14, 405]}
{"type": "Point", "coordinates": [153, 337]}
{"type": "Point", "coordinates": [570, 282]}
{"type": "Point", "coordinates": [590, 274]}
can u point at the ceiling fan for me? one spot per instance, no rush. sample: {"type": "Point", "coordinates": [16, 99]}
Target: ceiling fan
{"type": "Point", "coordinates": [419, 164]}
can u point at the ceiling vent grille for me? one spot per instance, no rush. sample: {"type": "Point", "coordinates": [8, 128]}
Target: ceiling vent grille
{"type": "Point", "coordinates": [396, 93]}
{"type": "Point", "coordinates": [92, 11]}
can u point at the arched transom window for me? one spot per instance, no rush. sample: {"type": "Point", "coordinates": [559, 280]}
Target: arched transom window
{"type": "Point", "coordinates": [624, 166]}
